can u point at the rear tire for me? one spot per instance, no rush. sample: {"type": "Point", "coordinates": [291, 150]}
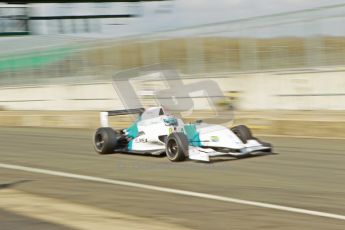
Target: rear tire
{"type": "Point", "coordinates": [242, 132]}
{"type": "Point", "coordinates": [176, 147]}
{"type": "Point", "coordinates": [105, 140]}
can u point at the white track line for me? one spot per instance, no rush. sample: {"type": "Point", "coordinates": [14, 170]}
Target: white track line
{"type": "Point", "coordinates": [173, 191]}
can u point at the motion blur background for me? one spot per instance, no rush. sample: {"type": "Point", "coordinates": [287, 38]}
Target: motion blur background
{"type": "Point", "coordinates": [280, 65]}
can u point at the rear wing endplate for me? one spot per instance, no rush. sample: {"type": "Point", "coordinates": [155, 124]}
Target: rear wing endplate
{"type": "Point", "coordinates": [104, 115]}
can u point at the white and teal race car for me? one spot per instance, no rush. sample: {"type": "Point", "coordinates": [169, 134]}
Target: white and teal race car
{"type": "Point", "coordinates": [157, 132]}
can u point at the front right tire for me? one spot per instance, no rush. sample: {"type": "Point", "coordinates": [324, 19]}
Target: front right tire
{"type": "Point", "coordinates": [242, 132]}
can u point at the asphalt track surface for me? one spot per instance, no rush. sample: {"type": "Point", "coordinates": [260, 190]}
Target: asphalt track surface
{"type": "Point", "coordinates": [304, 173]}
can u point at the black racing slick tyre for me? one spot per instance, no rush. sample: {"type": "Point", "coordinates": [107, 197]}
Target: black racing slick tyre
{"type": "Point", "coordinates": [105, 140]}
{"type": "Point", "coordinates": [176, 147]}
{"type": "Point", "coordinates": [242, 132]}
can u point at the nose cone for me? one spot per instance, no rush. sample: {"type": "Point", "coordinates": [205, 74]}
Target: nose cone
{"type": "Point", "coordinates": [219, 136]}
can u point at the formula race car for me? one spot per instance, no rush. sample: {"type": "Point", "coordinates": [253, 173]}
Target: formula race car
{"type": "Point", "coordinates": [157, 132]}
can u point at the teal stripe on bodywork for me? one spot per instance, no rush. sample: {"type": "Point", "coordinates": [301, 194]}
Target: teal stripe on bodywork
{"type": "Point", "coordinates": [132, 132]}
{"type": "Point", "coordinates": [192, 135]}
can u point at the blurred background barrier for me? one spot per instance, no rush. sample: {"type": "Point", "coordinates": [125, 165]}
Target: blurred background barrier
{"type": "Point", "coordinates": [321, 89]}
{"type": "Point", "coordinates": [321, 124]}
{"type": "Point", "coordinates": [290, 62]}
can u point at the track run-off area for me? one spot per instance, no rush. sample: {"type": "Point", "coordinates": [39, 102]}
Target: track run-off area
{"type": "Point", "coordinates": [52, 178]}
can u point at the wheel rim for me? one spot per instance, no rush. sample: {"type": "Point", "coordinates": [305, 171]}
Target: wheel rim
{"type": "Point", "coordinates": [172, 149]}
{"type": "Point", "coordinates": [99, 141]}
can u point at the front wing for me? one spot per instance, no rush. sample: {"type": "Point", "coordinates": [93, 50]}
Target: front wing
{"type": "Point", "coordinates": [204, 154]}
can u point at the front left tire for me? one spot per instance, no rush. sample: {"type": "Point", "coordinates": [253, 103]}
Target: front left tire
{"type": "Point", "coordinates": [176, 147]}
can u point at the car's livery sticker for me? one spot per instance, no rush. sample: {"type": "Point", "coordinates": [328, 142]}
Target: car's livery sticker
{"type": "Point", "coordinates": [214, 138]}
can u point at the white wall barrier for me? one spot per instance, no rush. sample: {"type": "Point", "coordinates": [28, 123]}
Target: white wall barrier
{"type": "Point", "coordinates": [264, 91]}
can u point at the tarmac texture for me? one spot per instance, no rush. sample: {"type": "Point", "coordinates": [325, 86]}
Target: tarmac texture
{"type": "Point", "coordinates": [303, 173]}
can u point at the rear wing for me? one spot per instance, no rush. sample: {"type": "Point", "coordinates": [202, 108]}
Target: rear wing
{"type": "Point", "coordinates": [104, 115]}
